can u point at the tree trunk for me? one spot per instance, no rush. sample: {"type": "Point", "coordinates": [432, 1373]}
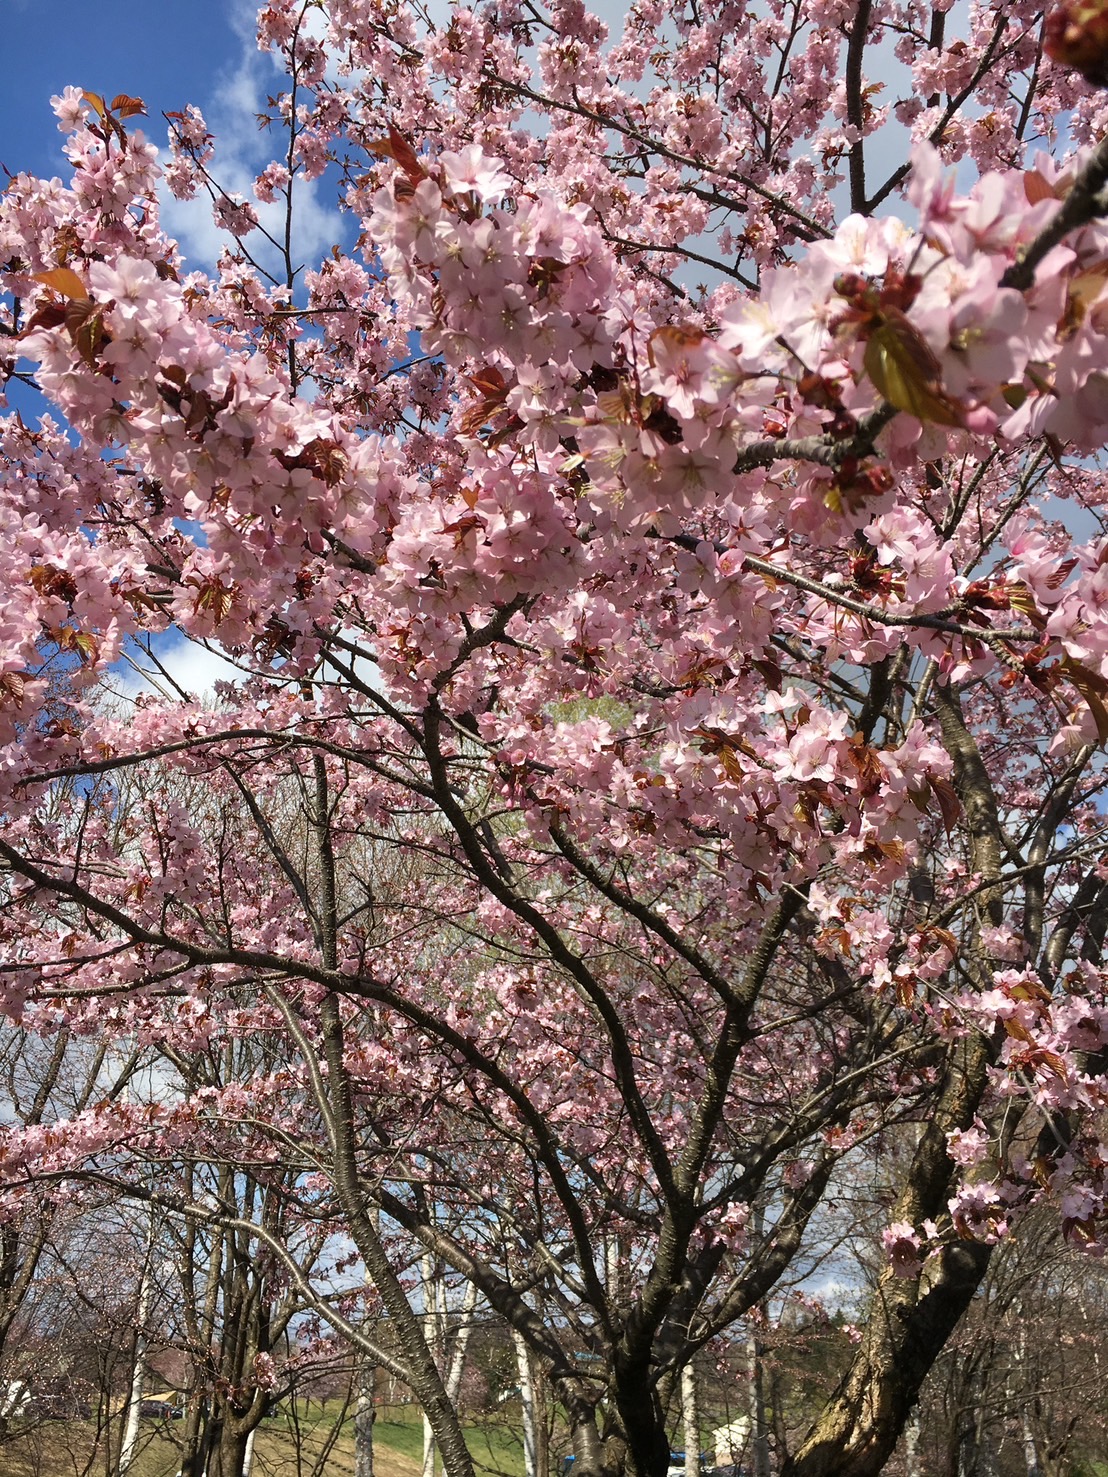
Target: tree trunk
{"type": "Point", "coordinates": [461, 1343]}
{"type": "Point", "coordinates": [195, 1437]}
{"type": "Point", "coordinates": [642, 1423]}
{"type": "Point", "coordinates": [527, 1402]}
{"type": "Point", "coordinates": [1030, 1450]}
{"type": "Point", "coordinates": [336, 1097]}
{"type": "Point", "coordinates": [364, 1417]}
{"type": "Point", "coordinates": [435, 1324]}
{"type": "Point", "coordinates": [200, 1320]}
{"type": "Point", "coordinates": [911, 1446]}
{"type": "Point", "coordinates": [434, 1332]}
{"type": "Point", "coordinates": [129, 1441]}
{"type": "Point", "coordinates": [910, 1318]}
{"type": "Point", "coordinates": [759, 1426]}
{"type": "Point", "coordinates": [690, 1421]}
{"type": "Point", "coordinates": [229, 1457]}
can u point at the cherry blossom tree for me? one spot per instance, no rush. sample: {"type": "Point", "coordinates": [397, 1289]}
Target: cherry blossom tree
{"type": "Point", "coordinates": [664, 551]}
{"type": "Point", "coordinates": [45, 1081]}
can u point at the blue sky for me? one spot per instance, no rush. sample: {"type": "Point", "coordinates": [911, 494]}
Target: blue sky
{"type": "Point", "coordinates": [194, 51]}
{"type": "Point", "coordinates": [167, 54]}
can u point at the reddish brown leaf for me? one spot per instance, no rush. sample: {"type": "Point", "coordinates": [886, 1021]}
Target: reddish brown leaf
{"type": "Point", "coordinates": [13, 685]}
{"type": "Point", "coordinates": [84, 322]}
{"type": "Point", "coordinates": [326, 459]}
{"type": "Point", "coordinates": [905, 989]}
{"type": "Point", "coordinates": [866, 765]}
{"type": "Point", "coordinates": [1036, 188]}
{"type": "Point", "coordinates": [65, 281]}
{"type": "Point", "coordinates": [503, 432]}
{"type": "Point", "coordinates": [402, 151]}
{"type": "Point", "coordinates": [128, 107]}
{"type": "Point", "coordinates": [45, 579]}
{"type": "Point", "coordinates": [490, 382]}
{"type": "Point", "coordinates": [950, 807]}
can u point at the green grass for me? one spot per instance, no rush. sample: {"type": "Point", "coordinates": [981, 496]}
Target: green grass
{"type": "Point", "coordinates": [400, 1427]}
{"type": "Point", "coordinates": [496, 1449]}
{"type": "Point", "coordinates": [495, 1445]}
{"type": "Point", "coordinates": [58, 1449]}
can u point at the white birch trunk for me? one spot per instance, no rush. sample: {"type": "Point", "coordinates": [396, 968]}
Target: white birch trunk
{"type": "Point", "coordinates": [364, 1416]}
{"type": "Point", "coordinates": [461, 1343]}
{"type": "Point", "coordinates": [434, 1343]}
{"type": "Point", "coordinates": [248, 1454]}
{"type": "Point", "coordinates": [911, 1446]}
{"type": "Point", "coordinates": [611, 1268]}
{"type": "Point", "coordinates": [759, 1429]}
{"type": "Point", "coordinates": [1030, 1450]}
{"type": "Point", "coordinates": [129, 1442]}
{"type": "Point", "coordinates": [690, 1421]}
{"type": "Point", "coordinates": [527, 1402]}
{"type": "Point", "coordinates": [435, 1321]}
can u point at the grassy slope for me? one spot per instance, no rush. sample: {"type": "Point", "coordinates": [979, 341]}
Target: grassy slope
{"type": "Point", "coordinates": [64, 1448]}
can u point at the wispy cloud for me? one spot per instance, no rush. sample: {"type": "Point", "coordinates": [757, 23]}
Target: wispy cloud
{"type": "Point", "coordinates": [243, 149]}
{"type": "Point", "coordinates": [195, 669]}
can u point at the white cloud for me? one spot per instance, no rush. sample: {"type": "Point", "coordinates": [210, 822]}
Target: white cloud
{"type": "Point", "coordinates": [242, 150]}
{"type": "Point", "coordinates": [194, 668]}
